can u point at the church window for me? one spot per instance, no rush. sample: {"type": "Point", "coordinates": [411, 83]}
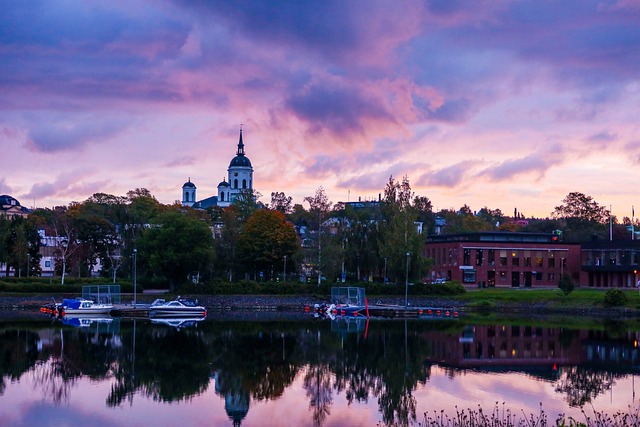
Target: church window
{"type": "Point", "coordinates": [244, 183]}
{"type": "Point", "coordinates": [222, 196]}
{"type": "Point", "coordinates": [235, 183]}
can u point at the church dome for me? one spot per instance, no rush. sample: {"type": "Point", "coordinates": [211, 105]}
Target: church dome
{"type": "Point", "coordinates": [189, 184]}
{"type": "Point", "coordinates": [223, 184]}
{"type": "Point", "coordinates": [240, 160]}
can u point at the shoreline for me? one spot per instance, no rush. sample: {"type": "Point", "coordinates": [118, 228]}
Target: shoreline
{"type": "Point", "coordinates": [252, 303]}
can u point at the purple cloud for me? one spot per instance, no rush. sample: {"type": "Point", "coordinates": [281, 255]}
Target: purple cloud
{"type": "Point", "coordinates": [450, 176]}
{"type": "Point", "coordinates": [538, 162]}
{"type": "Point", "coordinates": [69, 184]}
{"type": "Point", "coordinates": [340, 110]}
{"type": "Point", "coordinates": [67, 132]}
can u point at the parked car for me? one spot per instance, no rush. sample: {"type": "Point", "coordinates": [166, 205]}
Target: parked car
{"type": "Point", "coordinates": [439, 280]}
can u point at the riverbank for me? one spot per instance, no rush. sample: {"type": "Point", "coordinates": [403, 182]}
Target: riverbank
{"type": "Point", "coordinates": [486, 303]}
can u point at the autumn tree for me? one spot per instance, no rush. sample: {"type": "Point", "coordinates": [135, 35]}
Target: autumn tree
{"type": "Point", "coordinates": [266, 238]}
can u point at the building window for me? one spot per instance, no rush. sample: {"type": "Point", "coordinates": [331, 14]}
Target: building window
{"type": "Point", "coordinates": [538, 275]}
{"type": "Point", "coordinates": [539, 261]}
{"type": "Point", "coordinates": [47, 264]}
{"type": "Point", "coordinates": [466, 258]}
{"type": "Point", "coordinates": [552, 277]}
{"type": "Point", "coordinates": [492, 257]}
{"type": "Point", "coordinates": [503, 276]}
{"type": "Point", "coordinates": [235, 183]}
{"type": "Point", "coordinates": [527, 258]}
{"type": "Point", "coordinates": [479, 255]}
{"type": "Point", "coordinates": [244, 183]}
{"type": "Point", "coordinates": [551, 261]}
{"type": "Point", "coordinates": [503, 258]}
{"type": "Point", "coordinates": [515, 260]}
{"type": "Point", "coordinates": [222, 196]}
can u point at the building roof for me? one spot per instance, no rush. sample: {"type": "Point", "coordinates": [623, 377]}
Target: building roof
{"type": "Point", "coordinates": [495, 236]}
{"type": "Point", "coordinates": [189, 184]}
{"type": "Point", "coordinates": [206, 203]}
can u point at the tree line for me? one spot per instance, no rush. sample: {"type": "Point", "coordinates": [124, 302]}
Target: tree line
{"type": "Point", "coordinates": [171, 244]}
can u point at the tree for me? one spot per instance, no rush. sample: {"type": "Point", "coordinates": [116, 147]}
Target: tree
{"type": "Point", "coordinates": [566, 284]}
{"type": "Point", "coordinates": [583, 207]}
{"type": "Point", "coordinates": [176, 247]}
{"type": "Point", "coordinates": [246, 203]}
{"type": "Point", "coordinates": [319, 207]}
{"type": "Point", "coordinates": [398, 233]}
{"type": "Point", "coordinates": [281, 202]}
{"type": "Point", "coordinates": [266, 238]}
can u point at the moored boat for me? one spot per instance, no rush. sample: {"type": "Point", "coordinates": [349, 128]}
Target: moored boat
{"type": "Point", "coordinates": [180, 307]}
{"type": "Point", "coordinates": [81, 306]}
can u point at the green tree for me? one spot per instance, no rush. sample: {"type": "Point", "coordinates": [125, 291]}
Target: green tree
{"type": "Point", "coordinates": [566, 284]}
{"type": "Point", "coordinates": [266, 238]}
{"type": "Point", "coordinates": [176, 247]}
{"type": "Point", "coordinates": [400, 243]}
{"type": "Point", "coordinates": [319, 207]}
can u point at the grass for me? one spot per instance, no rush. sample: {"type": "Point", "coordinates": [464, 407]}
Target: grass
{"type": "Point", "coordinates": [501, 416]}
{"type": "Point", "coordinates": [580, 298]}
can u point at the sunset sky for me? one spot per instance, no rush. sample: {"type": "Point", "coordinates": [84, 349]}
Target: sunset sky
{"type": "Point", "coordinates": [504, 104]}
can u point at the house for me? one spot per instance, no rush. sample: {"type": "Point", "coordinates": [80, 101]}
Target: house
{"type": "Point", "coordinates": [11, 208]}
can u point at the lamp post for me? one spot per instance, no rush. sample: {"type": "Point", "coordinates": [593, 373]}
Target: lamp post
{"type": "Point", "coordinates": [284, 273]}
{"type": "Point", "coordinates": [135, 252]}
{"type": "Point", "coordinates": [406, 283]}
{"type": "Point", "coordinates": [385, 269]}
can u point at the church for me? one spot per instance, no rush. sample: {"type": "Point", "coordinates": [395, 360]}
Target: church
{"type": "Point", "coordinates": [239, 178]}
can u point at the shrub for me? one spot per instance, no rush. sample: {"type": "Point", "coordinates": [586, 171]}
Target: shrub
{"type": "Point", "coordinates": [566, 284]}
{"type": "Point", "coordinates": [614, 298]}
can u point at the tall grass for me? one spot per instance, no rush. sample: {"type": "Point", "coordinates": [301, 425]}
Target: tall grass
{"type": "Point", "coordinates": [501, 416]}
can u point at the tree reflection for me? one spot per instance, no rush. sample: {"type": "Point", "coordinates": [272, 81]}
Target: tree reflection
{"type": "Point", "coordinates": [317, 383]}
{"type": "Point", "coordinates": [582, 385]}
{"type": "Point", "coordinates": [167, 365]}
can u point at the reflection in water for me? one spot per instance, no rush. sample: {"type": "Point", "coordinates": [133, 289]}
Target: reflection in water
{"type": "Point", "coordinates": [381, 364]}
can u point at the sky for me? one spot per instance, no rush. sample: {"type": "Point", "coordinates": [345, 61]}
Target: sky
{"type": "Point", "coordinates": [499, 104]}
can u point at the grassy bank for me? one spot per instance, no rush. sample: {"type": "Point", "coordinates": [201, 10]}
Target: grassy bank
{"type": "Point", "coordinates": [550, 298]}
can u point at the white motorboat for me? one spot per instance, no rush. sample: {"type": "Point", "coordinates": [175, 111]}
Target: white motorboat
{"type": "Point", "coordinates": [79, 306]}
{"type": "Point", "coordinates": [179, 307]}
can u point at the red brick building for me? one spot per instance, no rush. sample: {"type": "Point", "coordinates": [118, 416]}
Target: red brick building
{"type": "Point", "coordinates": [503, 259]}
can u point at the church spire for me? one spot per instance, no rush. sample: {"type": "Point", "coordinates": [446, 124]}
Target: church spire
{"type": "Point", "coordinates": [240, 144]}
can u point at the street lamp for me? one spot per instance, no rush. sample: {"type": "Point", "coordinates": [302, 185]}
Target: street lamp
{"type": "Point", "coordinates": [284, 275]}
{"type": "Point", "coordinates": [406, 283]}
{"type": "Point", "coordinates": [135, 252]}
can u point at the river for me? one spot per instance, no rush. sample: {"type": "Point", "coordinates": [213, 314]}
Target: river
{"type": "Point", "coordinates": [280, 368]}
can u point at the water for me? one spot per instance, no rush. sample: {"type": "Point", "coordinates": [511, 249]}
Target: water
{"type": "Point", "coordinates": [279, 369]}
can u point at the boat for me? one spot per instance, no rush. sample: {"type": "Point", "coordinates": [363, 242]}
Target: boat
{"type": "Point", "coordinates": [80, 306]}
{"type": "Point", "coordinates": [345, 301]}
{"type": "Point", "coordinates": [179, 307]}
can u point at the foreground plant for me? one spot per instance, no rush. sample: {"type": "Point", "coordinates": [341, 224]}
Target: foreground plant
{"type": "Point", "coordinates": [501, 416]}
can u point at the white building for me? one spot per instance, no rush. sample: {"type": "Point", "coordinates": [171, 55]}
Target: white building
{"type": "Point", "coordinates": [239, 178]}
